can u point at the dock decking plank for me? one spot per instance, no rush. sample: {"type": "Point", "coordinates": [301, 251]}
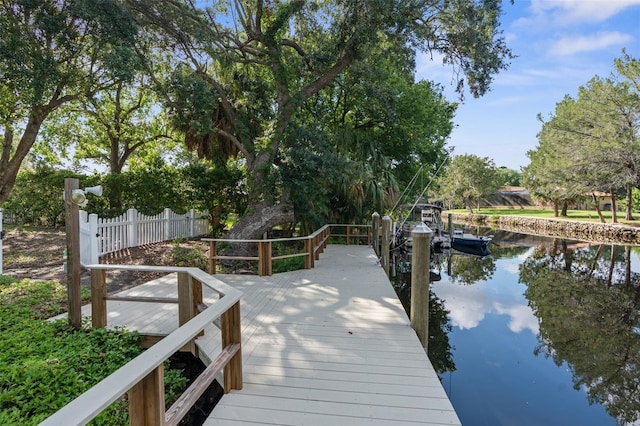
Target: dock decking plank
{"type": "Point", "coordinates": [331, 346]}
{"type": "Point", "coordinates": [326, 346]}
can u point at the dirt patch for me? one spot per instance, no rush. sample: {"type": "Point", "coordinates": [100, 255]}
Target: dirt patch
{"type": "Point", "coordinates": [39, 254]}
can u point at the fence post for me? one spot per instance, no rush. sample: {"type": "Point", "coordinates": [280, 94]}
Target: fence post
{"type": "Point", "coordinates": [192, 222]}
{"type": "Point", "coordinates": [264, 259]}
{"type": "Point", "coordinates": [72, 227]}
{"type": "Point", "coordinates": [375, 231]}
{"type": "Point", "coordinates": [132, 228]}
{"type": "Point", "coordinates": [386, 233]}
{"type": "Point", "coordinates": [146, 400]}
{"type": "Point", "coordinates": [232, 334]}
{"type": "Point", "coordinates": [212, 257]}
{"type": "Point", "coordinates": [420, 267]}
{"type": "Point", "coordinates": [348, 234]}
{"type": "Point", "coordinates": [98, 298]}
{"type": "Point", "coordinates": [186, 307]}
{"type": "Point", "coordinates": [167, 225]}
{"type": "Point", "coordinates": [309, 259]}
{"type": "Point", "coordinates": [94, 254]}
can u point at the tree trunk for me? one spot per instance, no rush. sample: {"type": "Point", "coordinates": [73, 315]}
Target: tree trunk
{"type": "Point", "coordinates": [555, 208]}
{"type": "Point", "coordinates": [262, 219]}
{"type": "Point", "coordinates": [467, 204]}
{"type": "Point", "coordinates": [597, 205]}
{"type": "Point", "coordinates": [11, 166]}
{"type": "Point", "coordinates": [629, 214]}
{"type": "Point", "coordinates": [614, 208]}
{"type": "Point", "coordinates": [565, 207]}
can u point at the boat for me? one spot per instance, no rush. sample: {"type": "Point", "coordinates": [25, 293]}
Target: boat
{"type": "Point", "coordinates": [478, 251]}
{"type": "Point", "coordinates": [462, 239]}
{"type": "Point", "coordinates": [430, 215]}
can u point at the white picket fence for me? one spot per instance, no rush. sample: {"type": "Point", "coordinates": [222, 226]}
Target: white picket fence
{"type": "Point", "coordinates": [131, 229]}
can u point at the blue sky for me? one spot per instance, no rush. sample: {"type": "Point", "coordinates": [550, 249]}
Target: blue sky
{"type": "Point", "coordinates": [561, 45]}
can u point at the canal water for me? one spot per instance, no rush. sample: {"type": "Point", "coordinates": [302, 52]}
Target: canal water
{"type": "Point", "coordinates": [543, 331]}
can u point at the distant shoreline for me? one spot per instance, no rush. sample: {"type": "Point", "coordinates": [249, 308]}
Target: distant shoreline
{"type": "Point", "coordinates": [589, 231]}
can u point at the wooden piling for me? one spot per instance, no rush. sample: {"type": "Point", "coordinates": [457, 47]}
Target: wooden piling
{"type": "Point", "coordinates": [420, 268]}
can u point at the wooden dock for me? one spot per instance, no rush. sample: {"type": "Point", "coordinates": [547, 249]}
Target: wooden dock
{"type": "Point", "coordinates": [325, 346]}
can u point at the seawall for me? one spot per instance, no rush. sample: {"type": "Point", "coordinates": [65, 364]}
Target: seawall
{"type": "Point", "coordinates": [589, 231]}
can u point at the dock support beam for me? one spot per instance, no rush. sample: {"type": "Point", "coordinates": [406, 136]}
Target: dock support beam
{"type": "Point", "coordinates": [375, 232]}
{"type": "Point", "coordinates": [420, 268]}
{"type": "Point", "coordinates": [386, 241]}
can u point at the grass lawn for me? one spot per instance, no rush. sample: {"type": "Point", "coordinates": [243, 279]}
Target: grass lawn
{"type": "Point", "coordinates": [583, 215]}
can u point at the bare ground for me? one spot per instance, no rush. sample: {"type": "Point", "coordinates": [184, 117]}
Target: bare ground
{"type": "Point", "coordinates": [38, 254]}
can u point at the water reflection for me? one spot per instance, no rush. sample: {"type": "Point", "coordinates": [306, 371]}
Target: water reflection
{"type": "Point", "coordinates": [545, 331]}
{"type": "Point", "coordinates": [439, 348]}
{"type": "Point", "coordinates": [588, 300]}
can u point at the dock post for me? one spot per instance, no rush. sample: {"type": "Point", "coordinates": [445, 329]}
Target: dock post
{"type": "Point", "coordinates": [420, 268]}
{"type": "Point", "coordinates": [375, 231]}
{"type": "Point", "coordinates": [98, 298]}
{"type": "Point", "coordinates": [386, 239]}
{"type": "Point", "coordinates": [72, 227]}
{"type": "Point", "coordinates": [213, 252]}
{"type": "Point", "coordinates": [265, 266]}
{"type": "Point", "coordinates": [146, 400]}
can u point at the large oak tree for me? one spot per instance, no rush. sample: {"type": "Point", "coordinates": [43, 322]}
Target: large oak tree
{"type": "Point", "coordinates": [247, 67]}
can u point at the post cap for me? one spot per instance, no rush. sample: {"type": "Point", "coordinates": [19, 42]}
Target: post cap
{"type": "Point", "coordinates": [421, 228]}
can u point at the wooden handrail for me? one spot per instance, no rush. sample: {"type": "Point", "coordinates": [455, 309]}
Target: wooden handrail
{"type": "Point", "coordinates": [314, 245]}
{"type": "Point", "coordinates": [141, 377]}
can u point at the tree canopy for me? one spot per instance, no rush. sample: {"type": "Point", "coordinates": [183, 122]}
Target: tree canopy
{"type": "Point", "coordinates": [469, 179]}
{"type": "Point", "coordinates": [591, 142]}
{"type": "Point", "coordinates": [53, 52]}
{"type": "Point", "coordinates": [247, 69]}
{"type": "Point", "coordinates": [318, 99]}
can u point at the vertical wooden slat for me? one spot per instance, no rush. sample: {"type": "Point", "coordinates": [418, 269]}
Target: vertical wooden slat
{"type": "Point", "coordinates": [186, 309]}
{"type": "Point", "coordinates": [98, 298]}
{"type": "Point", "coordinates": [348, 234]}
{"type": "Point", "coordinates": [265, 267]}
{"type": "Point", "coordinates": [146, 400]}
{"type": "Point", "coordinates": [231, 333]}
{"type": "Point", "coordinates": [375, 229]}
{"type": "Point", "coordinates": [212, 257]}
{"type": "Point", "coordinates": [309, 259]}
{"type": "Point", "coordinates": [198, 302]}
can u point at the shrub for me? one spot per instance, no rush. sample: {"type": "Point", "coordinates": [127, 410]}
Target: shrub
{"type": "Point", "coordinates": [44, 364]}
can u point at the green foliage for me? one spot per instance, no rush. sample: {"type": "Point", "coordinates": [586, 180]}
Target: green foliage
{"type": "Point", "coordinates": [51, 53]}
{"type": "Point", "coordinates": [188, 256]}
{"type": "Point", "coordinates": [599, 123]}
{"type": "Point", "coordinates": [217, 189]}
{"type": "Point", "coordinates": [342, 69]}
{"type": "Point", "coordinates": [586, 302]}
{"type": "Point", "coordinates": [44, 364]}
{"type": "Point", "coordinates": [509, 177]}
{"type": "Point", "coordinates": [289, 263]}
{"type": "Point", "coordinates": [37, 196]}
{"type": "Point", "coordinates": [469, 179]}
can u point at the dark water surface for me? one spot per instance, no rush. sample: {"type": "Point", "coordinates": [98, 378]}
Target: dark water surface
{"type": "Point", "coordinates": [541, 332]}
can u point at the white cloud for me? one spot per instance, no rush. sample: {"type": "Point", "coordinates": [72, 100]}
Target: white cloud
{"type": "Point", "coordinates": [569, 12]}
{"type": "Point", "coordinates": [522, 317]}
{"type": "Point", "coordinates": [467, 305]}
{"type": "Point", "coordinates": [566, 46]}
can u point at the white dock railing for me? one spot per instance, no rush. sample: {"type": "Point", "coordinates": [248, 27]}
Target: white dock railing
{"type": "Point", "coordinates": [100, 236]}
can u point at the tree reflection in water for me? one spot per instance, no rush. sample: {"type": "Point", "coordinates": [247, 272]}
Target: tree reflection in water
{"type": "Point", "coordinates": [587, 302]}
{"type": "Point", "coordinates": [438, 349]}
